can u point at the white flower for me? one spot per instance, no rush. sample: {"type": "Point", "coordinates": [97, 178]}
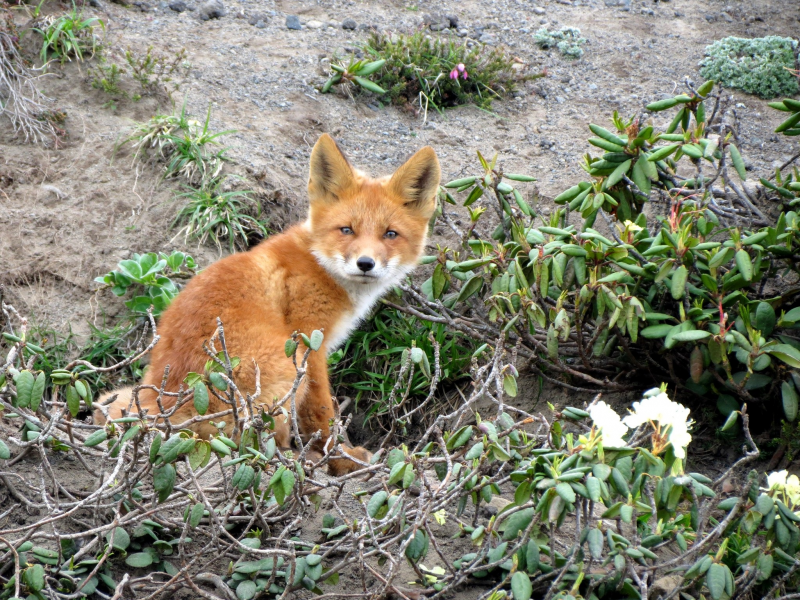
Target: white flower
{"type": "Point", "coordinates": [610, 425]}
{"type": "Point", "coordinates": [656, 407]}
{"type": "Point", "coordinates": [793, 489]}
{"type": "Point", "coordinates": [776, 480]}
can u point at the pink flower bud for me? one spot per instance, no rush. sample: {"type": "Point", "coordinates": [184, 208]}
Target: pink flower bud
{"type": "Point", "coordinates": [454, 74]}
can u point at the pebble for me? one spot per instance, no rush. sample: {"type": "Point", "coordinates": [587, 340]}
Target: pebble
{"type": "Point", "coordinates": [560, 99]}
{"type": "Point", "coordinates": [313, 24]}
{"type": "Point", "coordinates": [539, 10]}
{"type": "Point", "coordinates": [178, 6]}
{"type": "Point", "coordinates": [257, 18]}
{"type": "Point", "coordinates": [212, 9]}
{"type": "Point", "coordinates": [349, 24]}
{"type": "Point", "coordinates": [592, 86]}
{"type": "Point", "coordinates": [293, 22]}
{"type": "Point", "coordinates": [489, 39]}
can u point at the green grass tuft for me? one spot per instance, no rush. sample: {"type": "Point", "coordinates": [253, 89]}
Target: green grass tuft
{"type": "Point", "coordinates": [187, 147]}
{"type": "Point", "coordinates": [212, 214]}
{"type": "Point", "coordinates": [372, 356]}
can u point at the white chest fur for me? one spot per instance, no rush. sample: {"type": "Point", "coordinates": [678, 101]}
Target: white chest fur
{"type": "Point", "coordinates": [363, 297]}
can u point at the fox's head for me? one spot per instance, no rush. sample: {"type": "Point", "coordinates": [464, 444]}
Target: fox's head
{"type": "Point", "coordinates": [369, 231]}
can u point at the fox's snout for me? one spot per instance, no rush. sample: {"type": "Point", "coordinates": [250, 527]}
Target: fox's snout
{"type": "Point", "coordinates": [365, 263]}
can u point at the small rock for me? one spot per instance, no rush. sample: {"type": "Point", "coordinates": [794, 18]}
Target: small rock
{"type": "Point", "coordinates": [257, 18]}
{"type": "Point", "coordinates": [293, 22]}
{"type": "Point", "coordinates": [462, 32]}
{"type": "Point", "coordinates": [313, 24]}
{"type": "Point", "coordinates": [349, 24]}
{"type": "Point", "coordinates": [489, 39]}
{"type": "Point", "coordinates": [95, 3]}
{"type": "Point", "coordinates": [667, 584]}
{"type": "Point", "coordinates": [538, 10]}
{"type": "Point", "coordinates": [366, 27]}
{"type": "Point", "coordinates": [212, 9]}
{"type": "Point", "coordinates": [678, 14]}
{"type": "Point", "coordinates": [566, 2]}
{"type": "Point", "coordinates": [163, 5]}
{"type": "Point", "coordinates": [142, 6]}
{"type": "Point", "coordinates": [711, 18]}
{"type": "Point", "coordinates": [560, 99]}
{"type": "Point", "coordinates": [726, 16]}
{"type": "Point", "coordinates": [436, 22]}
{"type": "Point", "coordinates": [261, 25]}
{"type": "Point", "coordinates": [178, 6]}
{"type": "Point", "coordinates": [592, 86]}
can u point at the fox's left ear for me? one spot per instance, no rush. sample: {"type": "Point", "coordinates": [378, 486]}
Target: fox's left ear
{"type": "Point", "coordinates": [417, 181]}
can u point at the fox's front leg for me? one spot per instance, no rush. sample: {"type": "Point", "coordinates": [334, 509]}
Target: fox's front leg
{"type": "Point", "coordinates": [316, 411]}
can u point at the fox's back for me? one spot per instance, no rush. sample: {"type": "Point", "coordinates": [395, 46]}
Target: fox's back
{"type": "Point", "coordinates": [261, 297]}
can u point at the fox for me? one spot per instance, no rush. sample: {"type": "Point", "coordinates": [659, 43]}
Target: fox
{"type": "Point", "coordinates": [361, 237]}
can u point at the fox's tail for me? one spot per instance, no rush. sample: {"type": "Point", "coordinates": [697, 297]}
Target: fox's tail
{"type": "Point", "coordinates": [113, 410]}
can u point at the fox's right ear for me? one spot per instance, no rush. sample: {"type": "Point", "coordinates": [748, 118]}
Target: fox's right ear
{"type": "Point", "coordinates": [330, 173]}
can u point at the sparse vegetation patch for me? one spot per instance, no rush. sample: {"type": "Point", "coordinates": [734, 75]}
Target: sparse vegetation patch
{"type": "Point", "coordinates": [766, 67]}
{"type": "Point", "coordinates": [187, 148]}
{"type": "Point", "coordinates": [568, 40]}
{"type": "Point", "coordinates": [440, 72]}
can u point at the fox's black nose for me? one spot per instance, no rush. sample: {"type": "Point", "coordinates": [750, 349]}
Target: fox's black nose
{"type": "Point", "coordinates": [365, 263]}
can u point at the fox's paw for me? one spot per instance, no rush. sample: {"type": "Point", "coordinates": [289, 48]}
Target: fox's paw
{"type": "Point", "coordinates": [341, 466]}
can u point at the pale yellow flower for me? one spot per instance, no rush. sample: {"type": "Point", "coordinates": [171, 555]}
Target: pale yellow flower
{"type": "Point", "coordinates": [609, 424]}
{"type": "Point", "coordinates": [656, 407]}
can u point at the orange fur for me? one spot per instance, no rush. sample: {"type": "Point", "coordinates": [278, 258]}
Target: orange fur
{"type": "Point", "coordinates": [303, 279]}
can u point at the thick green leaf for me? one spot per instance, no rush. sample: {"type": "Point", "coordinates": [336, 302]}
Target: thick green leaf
{"type": "Point", "coordinates": [139, 560]}
{"type": "Point", "coordinates": [716, 577]}
{"type": "Point", "coordinates": [678, 287]}
{"type": "Point", "coordinates": [789, 397]}
{"type": "Point", "coordinates": [200, 398]}
{"type": "Point", "coordinates": [517, 522]}
{"type": "Point", "coordinates": [788, 354]}
{"type": "Point", "coordinates": [246, 589]}
{"type": "Point", "coordinates": [744, 264]}
{"type": "Point", "coordinates": [24, 381]}
{"type": "Point", "coordinates": [521, 586]}
{"type": "Point", "coordinates": [691, 336]}
{"type": "Point", "coordinates": [34, 577]}
{"type": "Point", "coordinates": [121, 538]}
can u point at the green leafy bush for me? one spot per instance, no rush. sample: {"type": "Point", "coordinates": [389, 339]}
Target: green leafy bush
{"type": "Point", "coordinates": [149, 274]}
{"type": "Point", "coordinates": [680, 295]}
{"type": "Point", "coordinates": [568, 40]}
{"type": "Point", "coordinates": [440, 72]}
{"type": "Point", "coordinates": [760, 66]}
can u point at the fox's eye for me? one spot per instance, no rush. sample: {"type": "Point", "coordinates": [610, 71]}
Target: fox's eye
{"type": "Point", "coordinates": [346, 230]}
{"type": "Point", "coordinates": [390, 235]}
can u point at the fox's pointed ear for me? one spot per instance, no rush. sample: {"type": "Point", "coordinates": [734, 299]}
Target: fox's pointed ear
{"type": "Point", "coordinates": [330, 173]}
{"type": "Point", "coordinates": [417, 181]}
